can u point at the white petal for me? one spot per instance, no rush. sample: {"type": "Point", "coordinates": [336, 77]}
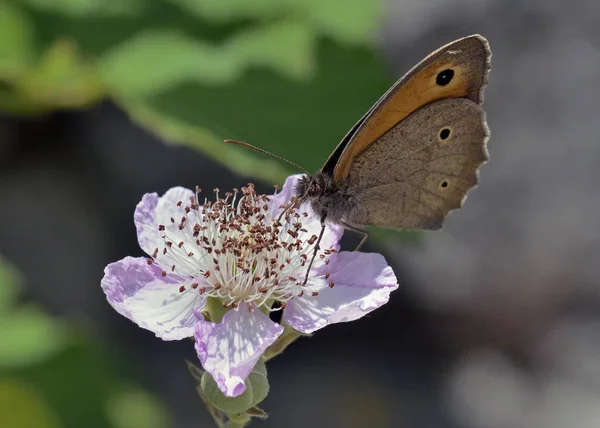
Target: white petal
{"type": "Point", "coordinates": [139, 292]}
{"type": "Point", "coordinates": [154, 211]}
{"type": "Point", "coordinates": [229, 350]}
{"type": "Point", "coordinates": [363, 282]}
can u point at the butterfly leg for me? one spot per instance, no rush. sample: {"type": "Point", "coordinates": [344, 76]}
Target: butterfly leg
{"type": "Point", "coordinates": [317, 247]}
{"type": "Point", "coordinates": [364, 233]}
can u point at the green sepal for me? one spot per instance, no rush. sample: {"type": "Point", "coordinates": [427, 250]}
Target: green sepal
{"type": "Point", "coordinates": [257, 389]}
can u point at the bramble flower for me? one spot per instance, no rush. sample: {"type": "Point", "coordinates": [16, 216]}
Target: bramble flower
{"type": "Point", "coordinates": [235, 251]}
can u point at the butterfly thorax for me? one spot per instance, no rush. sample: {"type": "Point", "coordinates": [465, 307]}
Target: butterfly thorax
{"type": "Point", "coordinates": [326, 197]}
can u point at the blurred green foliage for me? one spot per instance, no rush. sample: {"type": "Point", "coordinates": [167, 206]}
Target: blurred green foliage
{"type": "Point", "coordinates": [291, 76]}
{"type": "Point", "coordinates": [52, 375]}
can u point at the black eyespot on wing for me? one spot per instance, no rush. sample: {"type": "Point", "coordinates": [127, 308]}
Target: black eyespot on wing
{"type": "Point", "coordinates": [444, 77]}
{"type": "Point", "coordinates": [444, 184]}
{"type": "Point", "coordinates": [444, 133]}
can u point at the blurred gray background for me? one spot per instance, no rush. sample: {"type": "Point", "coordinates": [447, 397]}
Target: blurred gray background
{"type": "Point", "coordinates": [497, 320]}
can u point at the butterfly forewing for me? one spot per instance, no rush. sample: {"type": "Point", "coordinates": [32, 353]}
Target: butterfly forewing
{"type": "Point", "coordinates": [457, 70]}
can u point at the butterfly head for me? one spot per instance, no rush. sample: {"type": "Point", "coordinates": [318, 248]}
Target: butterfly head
{"type": "Point", "coordinates": [314, 186]}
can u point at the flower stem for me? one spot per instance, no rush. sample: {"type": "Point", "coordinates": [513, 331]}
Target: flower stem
{"type": "Point", "coordinates": [233, 424]}
{"type": "Point", "coordinates": [286, 338]}
{"type": "Point", "coordinates": [239, 420]}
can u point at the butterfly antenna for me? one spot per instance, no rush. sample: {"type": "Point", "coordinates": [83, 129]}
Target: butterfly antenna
{"type": "Point", "coordinates": [258, 149]}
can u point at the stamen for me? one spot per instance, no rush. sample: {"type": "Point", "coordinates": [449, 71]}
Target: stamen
{"type": "Point", "coordinates": [257, 256]}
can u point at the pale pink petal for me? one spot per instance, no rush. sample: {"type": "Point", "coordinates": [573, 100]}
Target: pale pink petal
{"type": "Point", "coordinates": [153, 211]}
{"type": "Point", "coordinates": [285, 194]}
{"type": "Point", "coordinates": [229, 350]}
{"type": "Point", "coordinates": [139, 292]}
{"type": "Point", "coordinates": [363, 282]}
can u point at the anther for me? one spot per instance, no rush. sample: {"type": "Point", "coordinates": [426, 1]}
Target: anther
{"type": "Point", "coordinates": [181, 289]}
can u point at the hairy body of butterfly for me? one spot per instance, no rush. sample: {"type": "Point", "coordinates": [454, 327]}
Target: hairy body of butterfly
{"type": "Point", "coordinates": [327, 198]}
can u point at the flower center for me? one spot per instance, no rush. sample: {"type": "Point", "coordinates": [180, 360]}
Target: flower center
{"type": "Point", "coordinates": [235, 250]}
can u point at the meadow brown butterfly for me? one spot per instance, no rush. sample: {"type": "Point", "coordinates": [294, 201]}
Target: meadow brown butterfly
{"type": "Point", "coordinates": [412, 158]}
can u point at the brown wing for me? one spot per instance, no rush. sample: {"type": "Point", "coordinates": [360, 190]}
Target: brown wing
{"type": "Point", "coordinates": [420, 170]}
{"type": "Point", "coordinates": [458, 70]}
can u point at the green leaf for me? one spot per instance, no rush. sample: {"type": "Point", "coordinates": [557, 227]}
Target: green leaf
{"type": "Point", "coordinates": [299, 120]}
{"type": "Point", "coordinates": [153, 62]}
{"type": "Point", "coordinates": [16, 41]}
{"type": "Point", "coordinates": [177, 131]}
{"type": "Point", "coordinates": [224, 11]}
{"type": "Point", "coordinates": [60, 79]}
{"type": "Point", "coordinates": [132, 407]}
{"type": "Point", "coordinates": [257, 389]}
{"type": "Point", "coordinates": [77, 8]}
{"type": "Point", "coordinates": [21, 405]}
{"type": "Point", "coordinates": [28, 336]}
{"type": "Point", "coordinates": [10, 280]}
{"type": "Point", "coordinates": [356, 24]}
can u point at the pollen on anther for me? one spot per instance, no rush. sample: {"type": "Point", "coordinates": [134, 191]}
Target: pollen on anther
{"type": "Point", "coordinates": [163, 273]}
{"type": "Point", "coordinates": [149, 261]}
{"type": "Point", "coordinates": [314, 293]}
{"type": "Point", "coordinates": [172, 220]}
{"type": "Point", "coordinates": [179, 203]}
{"type": "Point", "coordinates": [326, 275]}
{"type": "Point", "coordinates": [173, 268]}
{"type": "Point", "coordinates": [181, 289]}
{"type": "Point", "coordinates": [331, 284]}
{"type": "Point", "coordinates": [161, 227]}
